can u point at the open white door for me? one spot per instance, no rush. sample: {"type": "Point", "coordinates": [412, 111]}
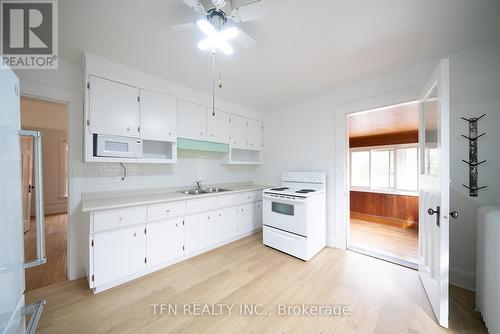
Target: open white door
{"type": "Point", "coordinates": [434, 201]}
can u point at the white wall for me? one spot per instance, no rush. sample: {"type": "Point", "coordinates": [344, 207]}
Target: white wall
{"type": "Point", "coordinates": [65, 85]}
{"type": "Point", "coordinates": [301, 136]}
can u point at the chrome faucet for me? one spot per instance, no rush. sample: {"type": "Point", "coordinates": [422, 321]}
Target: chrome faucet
{"type": "Point", "coordinates": [198, 184]}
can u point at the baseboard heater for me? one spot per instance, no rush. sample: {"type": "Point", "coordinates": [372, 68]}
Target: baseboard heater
{"type": "Point", "coordinates": [488, 267]}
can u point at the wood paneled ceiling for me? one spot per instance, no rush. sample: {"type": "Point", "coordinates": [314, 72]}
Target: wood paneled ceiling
{"type": "Point", "coordinates": [386, 120]}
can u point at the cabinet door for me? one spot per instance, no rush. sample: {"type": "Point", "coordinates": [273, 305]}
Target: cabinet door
{"type": "Point", "coordinates": [191, 120]}
{"type": "Point", "coordinates": [225, 225]}
{"type": "Point", "coordinates": [254, 135]}
{"type": "Point", "coordinates": [164, 241]}
{"type": "Point", "coordinates": [238, 132]}
{"type": "Point", "coordinates": [158, 116]}
{"type": "Point", "coordinates": [245, 221]}
{"type": "Point", "coordinates": [119, 253]}
{"type": "Point", "coordinates": [218, 126]}
{"type": "Point", "coordinates": [257, 215]}
{"type": "Point", "coordinates": [199, 231]}
{"type": "Point", "coordinates": [114, 108]}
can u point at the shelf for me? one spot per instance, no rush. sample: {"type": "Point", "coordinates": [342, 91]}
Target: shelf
{"type": "Point", "coordinates": [237, 156]}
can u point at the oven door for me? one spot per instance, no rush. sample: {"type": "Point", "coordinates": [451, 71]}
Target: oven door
{"type": "Point", "coordinates": [285, 214]}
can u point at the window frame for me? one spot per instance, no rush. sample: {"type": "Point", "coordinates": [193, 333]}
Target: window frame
{"type": "Point", "coordinates": [391, 190]}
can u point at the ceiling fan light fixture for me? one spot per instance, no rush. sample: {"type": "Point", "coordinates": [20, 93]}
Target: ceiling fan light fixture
{"type": "Point", "coordinates": [214, 39]}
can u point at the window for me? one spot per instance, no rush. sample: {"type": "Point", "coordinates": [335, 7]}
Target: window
{"type": "Point", "coordinates": [360, 169]}
{"type": "Point", "coordinates": [388, 169]}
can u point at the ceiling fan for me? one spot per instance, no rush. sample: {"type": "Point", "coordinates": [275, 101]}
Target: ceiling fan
{"type": "Point", "coordinates": [218, 24]}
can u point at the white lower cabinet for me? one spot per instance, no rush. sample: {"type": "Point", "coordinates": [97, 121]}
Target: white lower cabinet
{"type": "Point", "coordinates": [225, 225]}
{"type": "Point", "coordinates": [257, 219]}
{"type": "Point", "coordinates": [199, 231]}
{"type": "Point", "coordinates": [244, 220]}
{"type": "Point", "coordinates": [164, 241]}
{"type": "Point", "coordinates": [118, 253]}
{"type": "Point", "coordinates": [129, 242]}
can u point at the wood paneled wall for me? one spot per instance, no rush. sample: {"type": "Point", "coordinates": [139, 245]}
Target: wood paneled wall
{"type": "Point", "coordinates": [399, 210]}
{"type": "Point", "coordinates": [407, 137]}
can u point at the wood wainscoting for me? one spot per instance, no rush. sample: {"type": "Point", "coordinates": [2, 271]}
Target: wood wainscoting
{"type": "Point", "coordinates": [391, 209]}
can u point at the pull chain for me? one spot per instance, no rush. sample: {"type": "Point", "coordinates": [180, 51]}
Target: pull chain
{"type": "Point", "coordinates": [213, 82]}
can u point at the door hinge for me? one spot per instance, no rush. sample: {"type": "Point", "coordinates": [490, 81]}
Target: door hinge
{"type": "Point", "coordinates": [145, 260]}
{"type": "Point", "coordinates": [138, 99]}
{"type": "Point", "coordinates": [88, 121]}
{"type": "Point", "coordinates": [92, 243]}
{"type": "Point", "coordinates": [183, 223]}
{"type": "Point", "coordinates": [183, 247]}
{"type": "Point", "coordinates": [88, 85]}
{"type": "Point", "coordinates": [138, 129]}
{"type": "Point", "coordinates": [92, 277]}
{"type": "Point", "coordinates": [144, 230]}
{"type": "Point", "coordinates": [229, 119]}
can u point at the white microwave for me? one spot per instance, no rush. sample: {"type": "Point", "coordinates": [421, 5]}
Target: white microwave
{"type": "Point", "coordinates": [117, 147]}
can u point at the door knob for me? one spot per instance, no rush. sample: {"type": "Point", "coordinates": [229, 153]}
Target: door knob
{"type": "Point", "coordinates": [454, 214]}
{"type": "Point", "coordinates": [431, 211]}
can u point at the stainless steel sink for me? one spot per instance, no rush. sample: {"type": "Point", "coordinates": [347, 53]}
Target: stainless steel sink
{"type": "Point", "coordinates": [193, 192]}
{"type": "Point", "coordinates": [214, 190]}
{"type": "Point", "coordinates": [202, 191]}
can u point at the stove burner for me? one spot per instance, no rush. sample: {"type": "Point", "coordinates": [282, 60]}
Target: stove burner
{"type": "Point", "coordinates": [305, 191]}
{"type": "Point", "coordinates": [280, 189]}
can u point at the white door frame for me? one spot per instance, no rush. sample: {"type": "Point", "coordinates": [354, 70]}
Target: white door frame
{"type": "Point", "coordinates": [342, 209]}
{"type": "Point", "coordinates": [74, 102]}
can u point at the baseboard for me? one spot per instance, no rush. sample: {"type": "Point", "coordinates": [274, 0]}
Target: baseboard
{"type": "Point", "coordinates": [384, 220]}
{"type": "Point", "coordinates": [463, 278]}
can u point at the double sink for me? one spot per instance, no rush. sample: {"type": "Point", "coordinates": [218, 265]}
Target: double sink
{"type": "Point", "coordinates": [203, 191]}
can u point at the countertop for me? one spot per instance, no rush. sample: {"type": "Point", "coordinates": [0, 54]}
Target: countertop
{"type": "Point", "coordinates": [119, 199]}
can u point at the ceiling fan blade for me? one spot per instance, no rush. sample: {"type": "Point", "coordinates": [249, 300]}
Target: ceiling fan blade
{"type": "Point", "coordinates": [254, 10]}
{"type": "Point", "coordinates": [184, 27]}
{"type": "Point", "coordinates": [245, 39]}
{"type": "Point", "coordinates": [196, 5]}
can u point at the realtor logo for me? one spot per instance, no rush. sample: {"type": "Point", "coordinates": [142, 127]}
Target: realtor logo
{"type": "Point", "coordinates": [29, 34]}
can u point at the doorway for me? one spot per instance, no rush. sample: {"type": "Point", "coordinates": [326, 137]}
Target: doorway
{"type": "Point", "coordinates": [51, 119]}
{"type": "Point", "coordinates": [383, 183]}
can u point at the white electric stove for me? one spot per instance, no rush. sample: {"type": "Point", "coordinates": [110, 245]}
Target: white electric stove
{"type": "Point", "coordinates": [294, 214]}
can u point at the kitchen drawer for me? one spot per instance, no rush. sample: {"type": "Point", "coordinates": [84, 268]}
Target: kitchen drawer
{"type": "Point", "coordinates": [289, 243]}
{"type": "Point", "coordinates": [248, 197]}
{"type": "Point", "coordinates": [200, 204]}
{"type": "Point", "coordinates": [113, 219]}
{"type": "Point", "coordinates": [166, 210]}
{"type": "Point", "coordinates": [224, 201]}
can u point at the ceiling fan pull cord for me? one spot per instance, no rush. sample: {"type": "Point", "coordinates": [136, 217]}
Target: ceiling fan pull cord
{"type": "Point", "coordinates": [213, 82]}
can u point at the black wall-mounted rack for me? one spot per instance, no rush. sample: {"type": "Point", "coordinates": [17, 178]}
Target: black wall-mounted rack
{"type": "Point", "coordinates": [473, 162]}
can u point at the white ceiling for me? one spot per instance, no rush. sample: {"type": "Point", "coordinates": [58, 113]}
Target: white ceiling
{"type": "Point", "coordinates": [303, 47]}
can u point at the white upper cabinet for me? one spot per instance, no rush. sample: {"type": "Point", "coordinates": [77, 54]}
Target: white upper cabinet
{"type": "Point", "coordinates": [238, 130]}
{"type": "Point", "coordinates": [254, 135]}
{"type": "Point", "coordinates": [114, 108]}
{"type": "Point", "coordinates": [157, 116]}
{"type": "Point", "coordinates": [218, 126]}
{"type": "Point", "coordinates": [191, 120]}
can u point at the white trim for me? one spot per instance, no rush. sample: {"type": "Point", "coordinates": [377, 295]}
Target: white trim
{"type": "Point", "coordinates": [463, 278]}
{"type": "Point", "coordinates": [74, 102]}
{"type": "Point", "coordinates": [340, 236]}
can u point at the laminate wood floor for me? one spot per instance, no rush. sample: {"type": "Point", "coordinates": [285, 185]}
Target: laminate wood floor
{"type": "Point", "coordinates": [55, 246]}
{"type": "Point", "coordinates": [385, 239]}
{"type": "Point", "coordinates": [382, 297]}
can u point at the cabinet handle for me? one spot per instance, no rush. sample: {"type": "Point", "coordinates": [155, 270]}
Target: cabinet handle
{"type": "Point", "coordinates": [135, 234]}
{"type": "Point", "coordinates": [201, 133]}
{"type": "Point", "coordinates": [167, 211]}
{"type": "Point", "coordinates": [169, 134]}
{"type": "Point", "coordinates": [128, 128]}
{"type": "Point", "coordinates": [120, 218]}
{"type": "Point", "coordinates": [208, 217]}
